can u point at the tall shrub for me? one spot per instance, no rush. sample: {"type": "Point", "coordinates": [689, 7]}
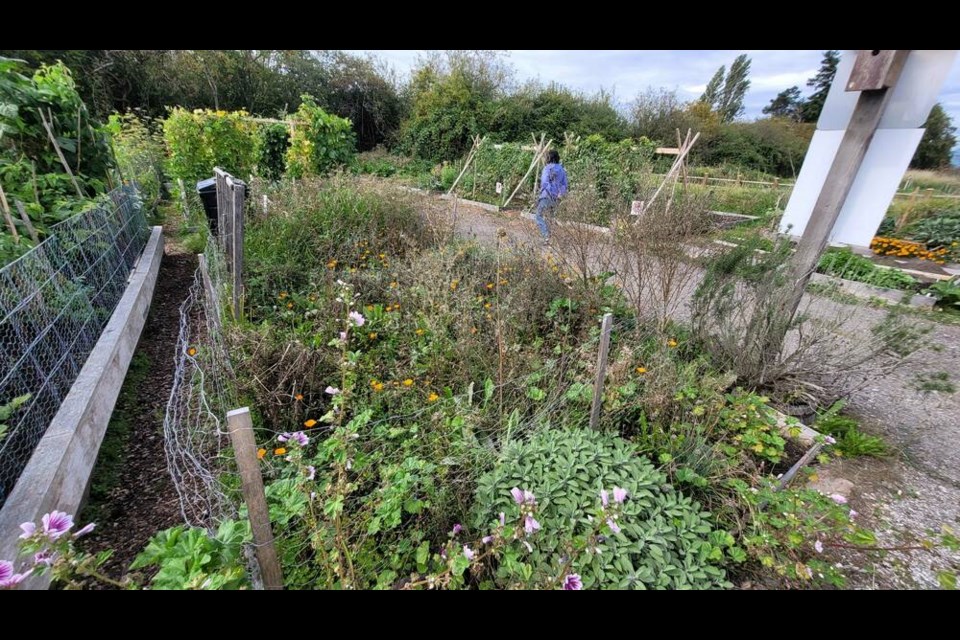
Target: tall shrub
{"type": "Point", "coordinates": [200, 140]}
{"type": "Point", "coordinates": [319, 140]}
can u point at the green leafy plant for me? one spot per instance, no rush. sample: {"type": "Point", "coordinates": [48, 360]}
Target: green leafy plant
{"type": "Point", "coordinates": [319, 142]}
{"type": "Point", "coordinates": [947, 293]}
{"type": "Point", "coordinates": [272, 142]}
{"type": "Point", "coordinates": [664, 539]}
{"type": "Point", "coordinates": [139, 148]}
{"type": "Point", "coordinates": [844, 263]}
{"type": "Point", "coordinates": [199, 140]}
{"type": "Point", "coordinates": [193, 558]}
{"type": "Point", "coordinates": [752, 426]}
{"type": "Point", "coordinates": [938, 231]}
{"type": "Point", "coordinates": [7, 411]}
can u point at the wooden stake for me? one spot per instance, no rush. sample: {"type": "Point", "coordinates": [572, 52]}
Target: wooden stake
{"type": "Point", "coordinates": [473, 151]}
{"type": "Point", "coordinates": [245, 450]}
{"type": "Point", "coordinates": [604, 352]}
{"type": "Point", "coordinates": [26, 222]}
{"type": "Point", "coordinates": [8, 217]}
{"type": "Point", "coordinates": [536, 158]}
{"type": "Point", "coordinates": [56, 147]}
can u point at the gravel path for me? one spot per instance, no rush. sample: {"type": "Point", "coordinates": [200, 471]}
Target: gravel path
{"type": "Point", "coordinates": [916, 490]}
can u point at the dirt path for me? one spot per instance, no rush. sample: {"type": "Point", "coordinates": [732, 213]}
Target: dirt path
{"type": "Point", "coordinates": [132, 495]}
{"type": "Point", "coordinates": [916, 490]}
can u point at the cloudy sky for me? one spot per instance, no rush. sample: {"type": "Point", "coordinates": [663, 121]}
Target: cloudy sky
{"type": "Point", "coordinates": [627, 72]}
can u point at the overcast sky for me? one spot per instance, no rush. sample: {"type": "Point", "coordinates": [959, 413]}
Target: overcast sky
{"type": "Point", "coordinates": [627, 72]}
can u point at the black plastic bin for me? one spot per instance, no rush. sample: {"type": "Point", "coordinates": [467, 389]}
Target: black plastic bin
{"type": "Point", "coordinates": [208, 195]}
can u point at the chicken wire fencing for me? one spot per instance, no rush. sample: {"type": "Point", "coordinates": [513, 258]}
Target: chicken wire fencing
{"type": "Point", "coordinates": [54, 303]}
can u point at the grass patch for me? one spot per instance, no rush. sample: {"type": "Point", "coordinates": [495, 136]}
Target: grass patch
{"type": "Point", "coordinates": [851, 442]}
{"type": "Point", "coordinates": [940, 382]}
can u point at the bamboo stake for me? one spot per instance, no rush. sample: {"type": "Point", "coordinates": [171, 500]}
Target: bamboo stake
{"type": "Point", "coordinates": [56, 147]}
{"type": "Point", "coordinates": [8, 217]}
{"type": "Point", "coordinates": [527, 174]}
{"type": "Point", "coordinates": [26, 221]}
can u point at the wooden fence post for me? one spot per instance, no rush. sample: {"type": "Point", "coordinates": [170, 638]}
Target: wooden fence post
{"type": "Point", "coordinates": [604, 352]}
{"type": "Point", "coordinates": [237, 195]}
{"type": "Point", "coordinates": [245, 449]}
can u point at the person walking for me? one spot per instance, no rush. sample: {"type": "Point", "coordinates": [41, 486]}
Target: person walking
{"type": "Point", "coordinates": [553, 186]}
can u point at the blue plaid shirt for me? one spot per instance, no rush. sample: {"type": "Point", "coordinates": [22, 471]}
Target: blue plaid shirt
{"type": "Point", "coordinates": [553, 182]}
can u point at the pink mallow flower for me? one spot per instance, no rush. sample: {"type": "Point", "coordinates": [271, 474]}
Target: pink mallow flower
{"type": "Point", "coordinates": [457, 528]}
{"type": "Point", "coordinates": [517, 495]}
{"type": "Point", "coordinates": [311, 472]}
{"type": "Point", "coordinates": [530, 525]}
{"type": "Point", "coordinates": [487, 539]}
{"type": "Point", "coordinates": [56, 523]}
{"type": "Point", "coordinates": [839, 499]}
{"type": "Point", "coordinates": [343, 335]}
{"type": "Point", "coordinates": [613, 525]}
{"type": "Point", "coordinates": [503, 519]}
{"type": "Point", "coordinates": [332, 391]}
{"type": "Point", "coordinates": [619, 495]}
{"type": "Point", "coordinates": [830, 440]}
{"type": "Point", "coordinates": [299, 437]}
{"type": "Point", "coordinates": [357, 318]}
{"type": "Point", "coordinates": [85, 530]}
{"type": "Point", "coordinates": [44, 557]}
{"type": "Point", "coordinates": [28, 530]}
{"type": "Point", "coordinates": [818, 546]}
{"type": "Point", "coordinates": [572, 582]}
{"type": "Point", "coordinates": [8, 577]}
{"type": "Point", "coordinates": [468, 553]}
{"type": "Point", "coordinates": [604, 497]}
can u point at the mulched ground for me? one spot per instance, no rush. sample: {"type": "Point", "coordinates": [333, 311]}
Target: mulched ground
{"type": "Point", "coordinates": [143, 500]}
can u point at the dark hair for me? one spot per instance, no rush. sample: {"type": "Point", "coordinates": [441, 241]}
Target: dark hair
{"type": "Point", "coordinates": [553, 157]}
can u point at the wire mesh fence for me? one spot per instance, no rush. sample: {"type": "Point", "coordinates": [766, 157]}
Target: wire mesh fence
{"type": "Point", "coordinates": [195, 422]}
{"type": "Point", "coordinates": [54, 303]}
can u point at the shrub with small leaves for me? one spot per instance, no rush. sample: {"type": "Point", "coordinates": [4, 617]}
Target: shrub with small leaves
{"type": "Point", "coordinates": [663, 541]}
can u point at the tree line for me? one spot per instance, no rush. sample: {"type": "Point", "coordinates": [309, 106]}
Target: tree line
{"type": "Point", "coordinates": [453, 95]}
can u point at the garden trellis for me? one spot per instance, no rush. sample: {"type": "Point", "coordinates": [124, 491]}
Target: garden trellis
{"type": "Point", "coordinates": [54, 303]}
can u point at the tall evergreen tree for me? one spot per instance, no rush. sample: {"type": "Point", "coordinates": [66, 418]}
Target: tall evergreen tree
{"type": "Point", "coordinates": [787, 104]}
{"type": "Point", "coordinates": [821, 82]}
{"type": "Point", "coordinates": [937, 142]}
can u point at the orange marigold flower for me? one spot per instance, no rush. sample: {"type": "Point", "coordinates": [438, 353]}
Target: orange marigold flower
{"type": "Point", "coordinates": [671, 342]}
{"type": "Point", "coordinates": [289, 305]}
{"type": "Point", "coordinates": [641, 370]}
{"type": "Point", "coordinates": [261, 453]}
{"type": "Point", "coordinates": [369, 307]}
{"type": "Point", "coordinates": [332, 264]}
{"type": "Point", "coordinates": [408, 382]}
{"type": "Point", "coordinates": [283, 294]}
{"type": "Point", "coordinates": [279, 451]}
{"type": "Point", "coordinates": [372, 335]}
{"type": "Point", "coordinates": [298, 397]}
{"type": "Point", "coordinates": [433, 397]}
{"type": "Point", "coordinates": [453, 285]}
{"type": "Point", "coordinates": [310, 423]}
{"type": "Point", "coordinates": [419, 332]}
{"type": "Point", "coordinates": [192, 351]}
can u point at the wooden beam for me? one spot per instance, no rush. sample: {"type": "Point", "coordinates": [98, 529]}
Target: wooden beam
{"type": "Point", "coordinates": [846, 164]}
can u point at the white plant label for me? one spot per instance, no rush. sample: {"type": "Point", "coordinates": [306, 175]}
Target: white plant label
{"type": "Point", "coordinates": [499, 187]}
